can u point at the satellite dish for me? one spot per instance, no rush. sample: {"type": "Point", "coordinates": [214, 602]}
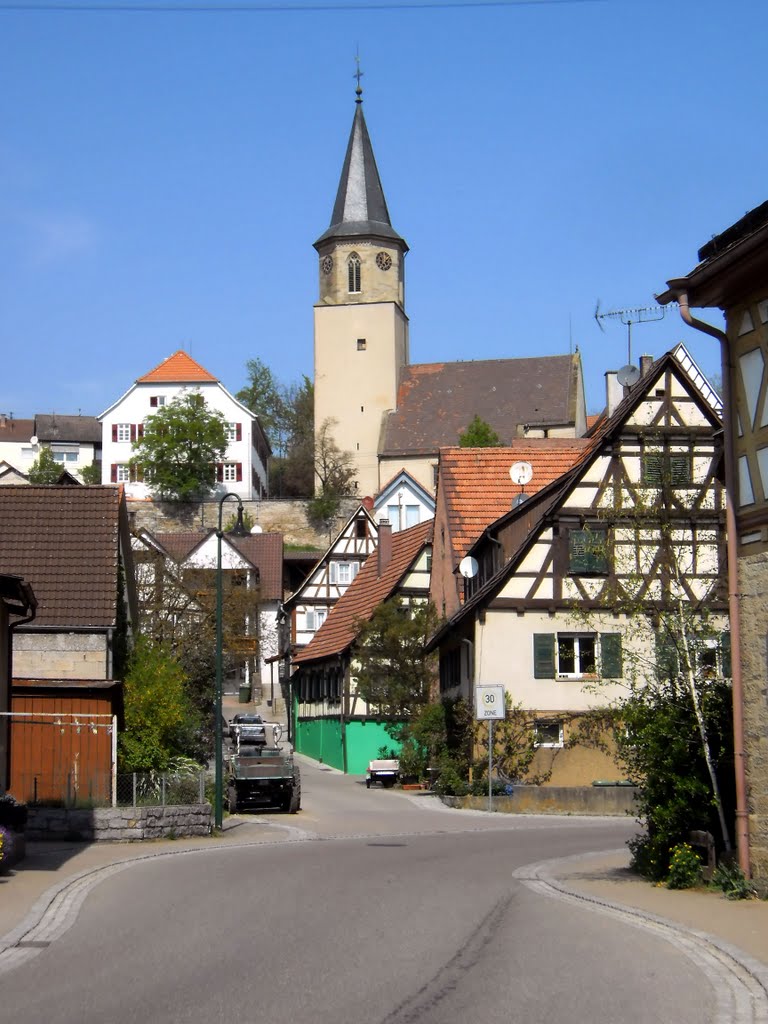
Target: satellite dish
{"type": "Point", "coordinates": [519, 499]}
{"type": "Point", "coordinates": [33, 439]}
{"type": "Point", "coordinates": [256, 529]}
{"type": "Point", "coordinates": [521, 473]}
{"type": "Point", "coordinates": [628, 375]}
{"type": "Point", "coordinates": [468, 567]}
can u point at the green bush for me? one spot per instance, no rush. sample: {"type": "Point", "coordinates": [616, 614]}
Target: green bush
{"type": "Point", "coordinates": [730, 880]}
{"type": "Point", "coordinates": [684, 867]}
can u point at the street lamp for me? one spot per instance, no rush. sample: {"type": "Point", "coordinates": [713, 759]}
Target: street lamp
{"type": "Point", "coordinates": [238, 530]}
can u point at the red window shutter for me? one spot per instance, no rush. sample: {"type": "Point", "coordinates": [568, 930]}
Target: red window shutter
{"type": "Point", "coordinates": [141, 430]}
{"type": "Point", "coordinates": [133, 432]}
{"type": "Point", "coordinates": [114, 473]}
{"type": "Point", "coordinates": [238, 431]}
{"type": "Point", "coordinates": [153, 401]}
{"type": "Point", "coordinates": [220, 472]}
{"type": "Point", "coordinates": [239, 471]}
{"type": "Point", "coordinates": [114, 431]}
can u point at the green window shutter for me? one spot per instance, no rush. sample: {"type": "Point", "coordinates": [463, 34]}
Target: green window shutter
{"type": "Point", "coordinates": [544, 655]}
{"type": "Point", "coordinates": [667, 660]}
{"type": "Point", "coordinates": [588, 551]}
{"type": "Point", "coordinates": [610, 655]}
{"type": "Point", "coordinates": [725, 653]}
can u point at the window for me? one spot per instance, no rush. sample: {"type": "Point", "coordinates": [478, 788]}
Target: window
{"type": "Point", "coordinates": [123, 474]}
{"type": "Point", "coordinates": [156, 401]}
{"type": "Point", "coordinates": [353, 267]}
{"type": "Point", "coordinates": [234, 431]}
{"type": "Point", "coordinates": [411, 515]}
{"type": "Point", "coordinates": [343, 572]}
{"type": "Point", "coordinates": [361, 342]}
{"type": "Point", "coordinates": [229, 474]}
{"type": "Point", "coordinates": [123, 432]}
{"type": "Point", "coordinates": [393, 515]}
{"type": "Point", "coordinates": [663, 467]}
{"type": "Point", "coordinates": [64, 454]}
{"type": "Point", "coordinates": [548, 733]}
{"type": "Point", "coordinates": [361, 529]}
{"type": "Point", "coordinates": [450, 669]}
{"type": "Point", "coordinates": [577, 655]}
{"type": "Point", "coordinates": [315, 617]}
{"type": "Point", "coordinates": [588, 552]}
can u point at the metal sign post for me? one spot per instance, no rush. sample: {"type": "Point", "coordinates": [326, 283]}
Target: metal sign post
{"type": "Point", "coordinates": [490, 705]}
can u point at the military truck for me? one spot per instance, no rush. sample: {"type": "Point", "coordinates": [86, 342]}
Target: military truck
{"type": "Point", "coordinates": [263, 777]}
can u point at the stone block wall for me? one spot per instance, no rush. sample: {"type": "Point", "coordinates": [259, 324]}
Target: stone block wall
{"type": "Point", "coordinates": [127, 824]}
{"type": "Point", "coordinates": [284, 515]}
{"type": "Point", "coordinates": [753, 588]}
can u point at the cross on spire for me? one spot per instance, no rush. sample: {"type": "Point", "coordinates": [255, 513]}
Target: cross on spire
{"type": "Point", "coordinates": [358, 75]}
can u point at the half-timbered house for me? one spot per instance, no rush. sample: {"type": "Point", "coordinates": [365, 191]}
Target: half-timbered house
{"type": "Point", "coordinates": [332, 722]}
{"type": "Point", "coordinates": [571, 584]}
{"type": "Point", "coordinates": [309, 606]}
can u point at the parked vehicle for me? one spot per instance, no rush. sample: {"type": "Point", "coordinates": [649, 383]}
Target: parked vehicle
{"type": "Point", "coordinates": [383, 770]}
{"type": "Point", "coordinates": [247, 729]}
{"type": "Point", "coordinates": [263, 778]}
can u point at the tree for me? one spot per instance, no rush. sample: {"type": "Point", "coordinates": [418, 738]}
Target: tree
{"type": "Point", "coordinates": [393, 673]}
{"type": "Point", "coordinates": [335, 473]}
{"type": "Point", "coordinates": [159, 718]}
{"type": "Point", "coordinates": [45, 469]}
{"type": "Point", "coordinates": [479, 434]}
{"type": "Point", "coordinates": [181, 445]}
{"type": "Point", "coordinates": [264, 396]}
{"type": "Point", "coordinates": [91, 474]}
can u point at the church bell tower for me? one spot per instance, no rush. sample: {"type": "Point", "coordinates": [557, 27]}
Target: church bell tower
{"type": "Point", "coordinates": [361, 329]}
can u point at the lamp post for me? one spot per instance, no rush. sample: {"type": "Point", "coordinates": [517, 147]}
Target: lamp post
{"type": "Point", "coordinates": [239, 531]}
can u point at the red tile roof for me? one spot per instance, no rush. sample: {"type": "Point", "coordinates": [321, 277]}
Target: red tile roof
{"type": "Point", "coordinates": [64, 541]}
{"type": "Point", "coordinates": [477, 488]}
{"type": "Point", "coordinates": [19, 431]}
{"type": "Point", "coordinates": [367, 590]}
{"type": "Point", "coordinates": [179, 368]}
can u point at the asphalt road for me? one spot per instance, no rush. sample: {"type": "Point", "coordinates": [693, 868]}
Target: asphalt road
{"type": "Point", "coordinates": [370, 906]}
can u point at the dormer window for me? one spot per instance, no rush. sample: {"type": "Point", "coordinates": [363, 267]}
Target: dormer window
{"type": "Point", "coordinates": [353, 267]}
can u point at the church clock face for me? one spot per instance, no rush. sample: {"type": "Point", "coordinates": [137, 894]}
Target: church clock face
{"type": "Point", "coordinates": [383, 260]}
{"type": "Point", "coordinates": [326, 264]}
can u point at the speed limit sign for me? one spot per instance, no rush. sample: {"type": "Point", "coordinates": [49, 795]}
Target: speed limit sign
{"type": "Point", "coordinates": [489, 702]}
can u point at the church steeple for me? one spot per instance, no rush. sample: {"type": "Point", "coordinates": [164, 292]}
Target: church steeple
{"type": "Point", "coordinates": [360, 208]}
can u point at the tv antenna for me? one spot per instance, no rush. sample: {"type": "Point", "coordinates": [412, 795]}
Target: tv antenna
{"type": "Point", "coordinates": [641, 315]}
{"type": "Point", "coordinates": [520, 473]}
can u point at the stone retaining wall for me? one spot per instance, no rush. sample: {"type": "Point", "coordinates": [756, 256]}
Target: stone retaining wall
{"type": "Point", "coordinates": [601, 800]}
{"type": "Point", "coordinates": [123, 823]}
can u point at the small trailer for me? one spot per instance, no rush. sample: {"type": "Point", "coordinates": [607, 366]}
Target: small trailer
{"type": "Point", "coordinates": [384, 770]}
{"type": "Point", "coordinates": [264, 778]}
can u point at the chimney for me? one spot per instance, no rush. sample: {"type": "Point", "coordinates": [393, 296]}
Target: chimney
{"type": "Point", "coordinates": [384, 551]}
{"type": "Point", "coordinates": [614, 392]}
{"type": "Point", "coordinates": [3, 420]}
{"type": "Point", "coordinates": [646, 362]}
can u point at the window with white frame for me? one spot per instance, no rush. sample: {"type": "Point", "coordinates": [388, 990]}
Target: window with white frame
{"type": "Point", "coordinates": [229, 472]}
{"type": "Point", "coordinates": [63, 454]}
{"type": "Point", "coordinates": [231, 431]}
{"type": "Point", "coordinates": [314, 618]}
{"type": "Point", "coordinates": [548, 732]}
{"type": "Point", "coordinates": [576, 654]}
{"type": "Point", "coordinates": [123, 431]}
{"type": "Point", "coordinates": [123, 473]}
{"type": "Point", "coordinates": [156, 401]}
{"type": "Point", "coordinates": [343, 573]}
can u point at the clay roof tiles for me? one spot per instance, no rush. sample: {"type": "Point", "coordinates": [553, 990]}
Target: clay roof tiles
{"type": "Point", "coordinates": [64, 541]}
{"type": "Point", "coordinates": [477, 488]}
{"type": "Point", "coordinates": [180, 368]}
{"type": "Point", "coordinates": [437, 401]}
{"type": "Point", "coordinates": [366, 591]}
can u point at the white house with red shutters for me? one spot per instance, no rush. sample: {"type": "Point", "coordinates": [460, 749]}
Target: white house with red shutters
{"type": "Point", "coordinates": [243, 469]}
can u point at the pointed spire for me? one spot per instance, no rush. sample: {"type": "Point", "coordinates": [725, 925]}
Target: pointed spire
{"type": "Point", "coordinates": [360, 207]}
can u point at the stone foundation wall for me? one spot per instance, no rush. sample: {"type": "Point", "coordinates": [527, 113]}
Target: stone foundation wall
{"type": "Point", "coordinates": [283, 515]}
{"type": "Point", "coordinates": [614, 801]}
{"type": "Point", "coordinates": [123, 823]}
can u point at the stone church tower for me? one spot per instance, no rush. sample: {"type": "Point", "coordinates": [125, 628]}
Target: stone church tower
{"type": "Point", "coordinates": [361, 329]}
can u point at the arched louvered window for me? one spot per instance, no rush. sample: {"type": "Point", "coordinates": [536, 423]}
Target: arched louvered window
{"type": "Point", "coordinates": [353, 266]}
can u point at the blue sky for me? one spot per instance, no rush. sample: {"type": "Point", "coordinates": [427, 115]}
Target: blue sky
{"type": "Point", "coordinates": [163, 177]}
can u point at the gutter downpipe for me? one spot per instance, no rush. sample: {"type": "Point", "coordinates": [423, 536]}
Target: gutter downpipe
{"type": "Point", "coordinates": [734, 612]}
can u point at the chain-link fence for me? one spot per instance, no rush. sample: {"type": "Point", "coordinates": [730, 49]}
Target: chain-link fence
{"type": "Point", "coordinates": [134, 789]}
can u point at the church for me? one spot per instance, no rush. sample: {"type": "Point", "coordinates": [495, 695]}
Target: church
{"type": "Point", "coordinates": [389, 413]}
